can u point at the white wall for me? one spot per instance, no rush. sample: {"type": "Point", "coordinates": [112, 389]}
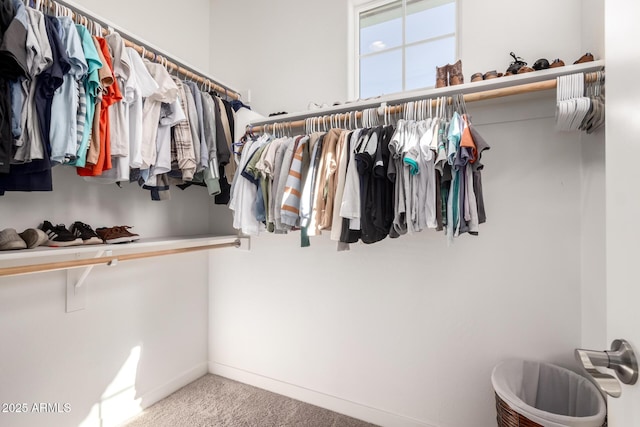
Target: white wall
{"type": "Point", "coordinates": [273, 48]}
{"type": "Point", "coordinates": [144, 331]}
{"type": "Point", "coordinates": [383, 332]}
{"type": "Point", "coordinates": [181, 31]}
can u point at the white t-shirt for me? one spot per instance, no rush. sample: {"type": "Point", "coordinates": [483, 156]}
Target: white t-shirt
{"type": "Point", "coordinates": [143, 86]}
{"type": "Point", "coordinates": [167, 93]}
{"type": "Point", "coordinates": [171, 115]}
{"type": "Point", "coordinates": [119, 112]}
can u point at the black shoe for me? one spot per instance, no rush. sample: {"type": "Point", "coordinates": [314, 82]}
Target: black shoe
{"type": "Point", "coordinates": [86, 233]}
{"type": "Point", "coordinates": [59, 235]}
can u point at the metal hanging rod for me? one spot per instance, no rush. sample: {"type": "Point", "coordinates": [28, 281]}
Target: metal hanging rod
{"type": "Point", "coordinates": [146, 49]}
{"type": "Point", "coordinates": [108, 260]}
{"type": "Point", "coordinates": [508, 86]}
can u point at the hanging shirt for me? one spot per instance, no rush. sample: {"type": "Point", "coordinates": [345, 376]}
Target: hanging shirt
{"type": "Point", "coordinates": [382, 187]}
{"type": "Point", "coordinates": [170, 115]}
{"type": "Point", "coordinates": [119, 114]}
{"type": "Point", "coordinates": [182, 146]}
{"type": "Point", "coordinates": [143, 86]}
{"type": "Point", "coordinates": [325, 188]}
{"type": "Point", "coordinates": [293, 188]}
{"type": "Point", "coordinates": [341, 175]}
{"type": "Point", "coordinates": [272, 164]}
{"type": "Point", "coordinates": [111, 95]}
{"type": "Point", "coordinates": [119, 111]}
{"type": "Point", "coordinates": [197, 100]}
{"type": "Point", "coordinates": [453, 206]}
{"type": "Point", "coordinates": [245, 192]}
{"type": "Point", "coordinates": [106, 79]}
{"type": "Point", "coordinates": [13, 66]}
{"type": "Point", "coordinates": [17, 96]}
{"type": "Point", "coordinates": [194, 123]}
{"type": "Point", "coordinates": [39, 58]}
{"type": "Point", "coordinates": [212, 169]}
{"type": "Point", "coordinates": [63, 133]}
{"type": "Point", "coordinates": [167, 93]}
{"type": "Point", "coordinates": [396, 175]}
{"type": "Point", "coordinates": [91, 91]}
{"type": "Point", "coordinates": [36, 176]}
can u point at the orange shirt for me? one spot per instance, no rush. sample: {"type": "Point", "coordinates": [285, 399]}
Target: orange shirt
{"type": "Point", "coordinates": [111, 94]}
{"type": "Point", "coordinates": [467, 141]}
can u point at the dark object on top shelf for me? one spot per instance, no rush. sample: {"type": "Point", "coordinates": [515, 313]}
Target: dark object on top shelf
{"type": "Point", "coordinates": [516, 64]}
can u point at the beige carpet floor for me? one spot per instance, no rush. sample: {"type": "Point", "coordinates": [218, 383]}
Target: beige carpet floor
{"type": "Point", "coordinates": [216, 401]}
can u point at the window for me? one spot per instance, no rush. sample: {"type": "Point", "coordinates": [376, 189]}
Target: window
{"type": "Point", "coordinates": [399, 44]}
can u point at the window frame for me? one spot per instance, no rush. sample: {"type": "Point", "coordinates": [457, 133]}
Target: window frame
{"type": "Point", "coordinates": [356, 7]}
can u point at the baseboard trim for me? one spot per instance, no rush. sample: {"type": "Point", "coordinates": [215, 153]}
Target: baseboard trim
{"type": "Point", "coordinates": [187, 377]}
{"type": "Point", "coordinates": [323, 400]}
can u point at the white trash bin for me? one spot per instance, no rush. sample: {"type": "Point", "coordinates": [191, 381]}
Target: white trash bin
{"type": "Point", "coordinates": [539, 394]}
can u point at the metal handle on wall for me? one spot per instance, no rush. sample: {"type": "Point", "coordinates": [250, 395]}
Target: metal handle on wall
{"type": "Point", "coordinates": [621, 358]}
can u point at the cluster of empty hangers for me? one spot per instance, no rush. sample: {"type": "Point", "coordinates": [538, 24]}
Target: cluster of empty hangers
{"type": "Point", "coordinates": [580, 102]}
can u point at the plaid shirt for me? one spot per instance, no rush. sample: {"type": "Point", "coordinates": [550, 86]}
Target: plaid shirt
{"type": "Point", "coordinates": [182, 152]}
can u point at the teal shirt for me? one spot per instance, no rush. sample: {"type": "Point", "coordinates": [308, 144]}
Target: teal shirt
{"type": "Point", "coordinates": [91, 86]}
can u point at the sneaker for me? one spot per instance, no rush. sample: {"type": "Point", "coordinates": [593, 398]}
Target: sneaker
{"type": "Point", "coordinates": [34, 237]}
{"type": "Point", "coordinates": [86, 233]}
{"type": "Point", "coordinates": [10, 240]}
{"type": "Point", "coordinates": [118, 234]}
{"type": "Point", "coordinates": [59, 236]}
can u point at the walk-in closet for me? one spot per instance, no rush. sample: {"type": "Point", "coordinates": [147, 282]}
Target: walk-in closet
{"type": "Point", "coordinates": [402, 213]}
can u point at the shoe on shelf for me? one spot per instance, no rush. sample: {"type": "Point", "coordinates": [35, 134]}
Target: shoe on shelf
{"type": "Point", "coordinates": [455, 74]}
{"type": "Point", "coordinates": [59, 236]}
{"type": "Point", "coordinates": [10, 240]}
{"type": "Point", "coordinates": [557, 63]}
{"type": "Point", "coordinates": [119, 234]}
{"type": "Point", "coordinates": [525, 69]}
{"type": "Point", "coordinates": [476, 77]}
{"type": "Point", "coordinates": [587, 57]}
{"type": "Point", "coordinates": [516, 65]}
{"type": "Point", "coordinates": [493, 74]}
{"type": "Point", "coordinates": [86, 233]}
{"type": "Point", "coordinates": [540, 64]}
{"type": "Point", "coordinates": [34, 237]}
{"type": "Point", "coordinates": [442, 76]}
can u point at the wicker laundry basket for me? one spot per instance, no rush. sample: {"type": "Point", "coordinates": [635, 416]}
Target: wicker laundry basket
{"type": "Point", "coordinates": [516, 414]}
{"type": "Point", "coordinates": [507, 417]}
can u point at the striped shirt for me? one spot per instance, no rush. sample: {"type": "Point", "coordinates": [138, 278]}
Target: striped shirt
{"type": "Point", "coordinates": [182, 148]}
{"type": "Point", "coordinates": [290, 209]}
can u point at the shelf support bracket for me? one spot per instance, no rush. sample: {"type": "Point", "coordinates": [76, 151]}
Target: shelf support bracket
{"type": "Point", "coordinates": [76, 291]}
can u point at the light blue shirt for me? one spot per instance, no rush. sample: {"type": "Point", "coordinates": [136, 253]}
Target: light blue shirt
{"type": "Point", "coordinates": [64, 107]}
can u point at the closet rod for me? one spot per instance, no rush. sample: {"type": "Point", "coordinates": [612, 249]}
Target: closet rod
{"type": "Point", "coordinates": [65, 265]}
{"type": "Point", "coordinates": [399, 108]}
{"type": "Point", "coordinates": [149, 52]}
